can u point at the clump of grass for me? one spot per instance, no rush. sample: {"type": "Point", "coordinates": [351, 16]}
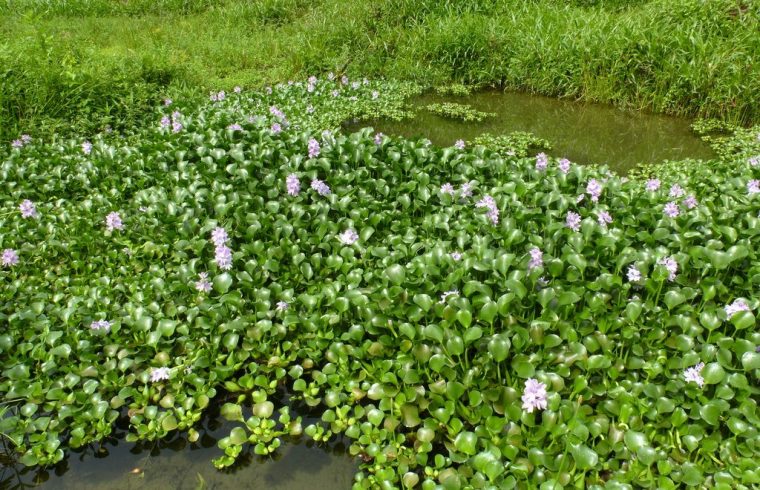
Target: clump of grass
{"type": "Point", "coordinates": [463, 112]}
{"type": "Point", "coordinates": [456, 89]}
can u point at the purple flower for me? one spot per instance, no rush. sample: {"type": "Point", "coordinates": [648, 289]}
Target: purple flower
{"type": "Point", "coordinates": [202, 284]}
{"type": "Point", "coordinates": [26, 139]}
{"type": "Point", "coordinates": [176, 126]}
{"type": "Point", "coordinates": [293, 184]}
{"type": "Point", "coordinates": [604, 218]}
{"type": "Point", "coordinates": [536, 258]}
{"type": "Point", "coordinates": [223, 257]}
{"type": "Point", "coordinates": [573, 221]}
{"type": "Point", "coordinates": [221, 95]}
{"type": "Point", "coordinates": [489, 203]}
{"type": "Point", "coordinates": [167, 101]}
{"type": "Point", "coordinates": [694, 374]}
{"type": "Point", "coordinates": [273, 110]}
{"type": "Point", "coordinates": [594, 189]}
{"type": "Point", "coordinates": [379, 138]}
{"type": "Point", "coordinates": [736, 307]}
{"type": "Point", "coordinates": [159, 374]}
{"type": "Point", "coordinates": [447, 189]}
{"type": "Point", "coordinates": [671, 210]}
{"type": "Point", "coordinates": [676, 191]}
{"type": "Point", "coordinates": [276, 128]}
{"type": "Point", "coordinates": [375, 94]}
{"type": "Point", "coordinates": [98, 325]}
{"type": "Point", "coordinates": [321, 188]}
{"type": "Point", "coordinates": [541, 161]}
{"type": "Point", "coordinates": [355, 85]}
{"type": "Point", "coordinates": [237, 89]}
{"type": "Point", "coordinates": [564, 165]}
{"type": "Point", "coordinates": [653, 185]}
{"type": "Point", "coordinates": [313, 148]}
{"type": "Point", "coordinates": [17, 144]}
{"type": "Point", "coordinates": [465, 190]}
{"type": "Point", "coordinates": [671, 265]}
{"type": "Point", "coordinates": [753, 187]}
{"type": "Point", "coordinates": [344, 80]}
{"type": "Point", "coordinates": [446, 295]}
{"type": "Point", "coordinates": [348, 237]}
{"type": "Point", "coordinates": [459, 144]}
{"type": "Point", "coordinates": [534, 395]}
{"type": "Point", "coordinates": [690, 202]}
{"type": "Point", "coordinates": [165, 122]}
{"type": "Point", "coordinates": [235, 127]}
{"type": "Point", "coordinates": [219, 236]}
{"type": "Point", "coordinates": [754, 161]}
{"type": "Point", "coordinates": [113, 221]}
{"type": "Point", "coordinates": [282, 306]}
{"type": "Point", "coordinates": [634, 275]}
{"type": "Point", "coordinates": [456, 256]}
{"type": "Point", "coordinates": [9, 257]}
{"type": "Point", "coordinates": [27, 209]}
{"type": "Point", "coordinates": [312, 80]}
{"type": "Point", "coordinates": [335, 93]}
{"type": "Point", "coordinates": [86, 147]}
{"type": "Point", "coordinates": [310, 109]}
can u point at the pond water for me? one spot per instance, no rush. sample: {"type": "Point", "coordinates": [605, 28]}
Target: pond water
{"type": "Point", "coordinates": [176, 463]}
{"type": "Point", "coordinates": [582, 132]}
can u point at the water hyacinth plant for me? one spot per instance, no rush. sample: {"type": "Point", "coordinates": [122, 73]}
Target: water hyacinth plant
{"type": "Point", "coordinates": [514, 339]}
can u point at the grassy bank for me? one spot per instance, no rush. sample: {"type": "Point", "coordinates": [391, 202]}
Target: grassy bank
{"type": "Point", "coordinates": [86, 64]}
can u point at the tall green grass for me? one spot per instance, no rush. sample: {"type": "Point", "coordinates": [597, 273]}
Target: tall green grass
{"type": "Point", "coordinates": [80, 64]}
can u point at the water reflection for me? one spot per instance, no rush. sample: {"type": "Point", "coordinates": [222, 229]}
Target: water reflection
{"type": "Point", "coordinates": [582, 132]}
{"type": "Point", "coordinates": [176, 463]}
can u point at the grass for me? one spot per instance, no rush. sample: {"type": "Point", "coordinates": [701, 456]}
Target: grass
{"type": "Point", "coordinates": [88, 63]}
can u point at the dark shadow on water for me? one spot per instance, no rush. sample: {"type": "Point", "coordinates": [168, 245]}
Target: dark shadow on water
{"type": "Point", "coordinates": [582, 132]}
{"type": "Point", "coordinates": [176, 463]}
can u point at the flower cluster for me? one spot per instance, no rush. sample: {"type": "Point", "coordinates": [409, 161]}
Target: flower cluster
{"type": "Point", "coordinates": [113, 221]}
{"type": "Point", "coordinates": [671, 265]}
{"type": "Point", "coordinates": [652, 185]}
{"type": "Point", "coordinates": [459, 144]}
{"type": "Point", "coordinates": [594, 189]}
{"type": "Point", "coordinates": [634, 275]}
{"type": "Point", "coordinates": [489, 203]}
{"type": "Point", "coordinates": [445, 295]}
{"type": "Point", "coordinates": [103, 325]}
{"type": "Point", "coordinates": [736, 307]}
{"type": "Point", "coordinates": [534, 395]}
{"type": "Point", "coordinates": [671, 210]}
{"type": "Point", "coordinates": [282, 306]}
{"type": "Point", "coordinates": [203, 285]}
{"type": "Point", "coordinates": [27, 209]}
{"type": "Point", "coordinates": [321, 188]}
{"type": "Point", "coordinates": [292, 184]}
{"type": "Point", "coordinates": [348, 237]}
{"type": "Point", "coordinates": [159, 374]}
{"type": "Point", "coordinates": [564, 165]}
{"type": "Point", "coordinates": [217, 96]}
{"type": "Point", "coordinates": [536, 258]}
{"type": "Point", "coordinates": [573, 221]}
{"type": "Point", "coordinates": [222, 253]}
{"type": "Point", "coordinates": [676, 191]}
{"type": "Point", "coordinates": [541, 162]}
{"type": "Point", "coordinates": [604, 218]}
{"type": "Point", "coordinates": [21, 142]}
{"type": "Point", "coordinates": [313, 148]}
{"type": "Point", "coordinates": [447, 188]}
{"type": "Point", "coordinates": [9, 257]}
{"type": "Point", "coordinates": [753, 187]}
{"type": "Point", "coordinates": [86, 147]}
{"type": "Point", "coordinates": [694, 374]}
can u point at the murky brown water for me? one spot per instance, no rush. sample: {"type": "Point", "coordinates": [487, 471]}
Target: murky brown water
{"type": "Point", "coordinates": [582, 132]}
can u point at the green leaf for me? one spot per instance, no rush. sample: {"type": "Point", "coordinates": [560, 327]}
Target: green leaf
{"type": "Point", "coordinates": [585, 457]}
{"type": "Point", "coordinates": [466, 442]}
{"type": "Point", "coordinates": [222, 283]}
{"type": "Point", "coordinates": [395, 274]}
{"type": "Point", "coordinates": [713, 373]}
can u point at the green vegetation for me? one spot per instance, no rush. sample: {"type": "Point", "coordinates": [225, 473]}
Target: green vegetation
{"type": "Point", "coordinates": [517, 143]}
{"type": "Point", "coordinates": [463, 112]}
{"type": "Point", "coordinates": [409, 293]}
{"type": "Point", "coordinates": [83, 64]}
